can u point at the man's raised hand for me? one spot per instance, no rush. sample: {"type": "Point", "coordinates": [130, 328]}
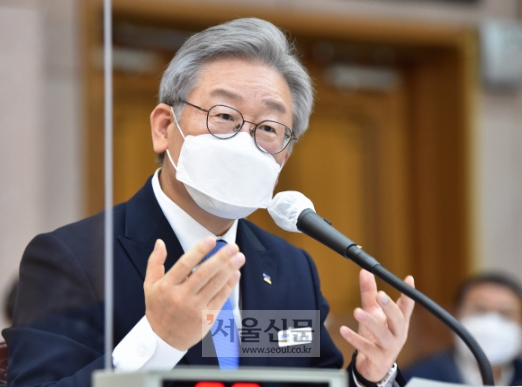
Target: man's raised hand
{"type": "Point", "coordinates": [383, 328]}
{"type": "Point", "coordinates": [175, 300]}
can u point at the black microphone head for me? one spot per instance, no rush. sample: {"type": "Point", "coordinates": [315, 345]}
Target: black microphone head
{"type": "Point", "coordinates": [286, 207]}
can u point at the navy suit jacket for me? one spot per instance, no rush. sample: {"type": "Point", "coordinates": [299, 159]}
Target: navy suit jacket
{"type": "Point", "coordinates": [57, 334]}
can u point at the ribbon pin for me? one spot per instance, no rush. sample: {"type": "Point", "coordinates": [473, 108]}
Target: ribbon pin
{"type": "Point", "coordinates": [267, 279]}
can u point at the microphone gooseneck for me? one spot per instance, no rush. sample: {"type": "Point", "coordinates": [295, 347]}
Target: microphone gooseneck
{"type": "Point", "coordinates": [321, 230]}
{"type": "Point", "coordinates": [294, 212]}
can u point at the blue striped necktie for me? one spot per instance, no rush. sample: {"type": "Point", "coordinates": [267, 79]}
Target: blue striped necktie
{"type": "Point", "coordinates": [224, 331]}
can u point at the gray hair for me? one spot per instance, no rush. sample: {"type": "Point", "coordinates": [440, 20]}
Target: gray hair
{"type": "Point", "coordinates": [251, 39]}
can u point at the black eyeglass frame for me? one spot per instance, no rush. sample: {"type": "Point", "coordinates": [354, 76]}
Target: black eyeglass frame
{"type": "Point", "coordinates": [252, 131]}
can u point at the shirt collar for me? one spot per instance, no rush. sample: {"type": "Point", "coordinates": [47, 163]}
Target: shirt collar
{"type": "Point", "coordinates": [186, 228]}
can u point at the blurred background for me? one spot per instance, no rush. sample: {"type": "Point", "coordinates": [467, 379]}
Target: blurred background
{"type": "Point", "coordinates": [414, 148]}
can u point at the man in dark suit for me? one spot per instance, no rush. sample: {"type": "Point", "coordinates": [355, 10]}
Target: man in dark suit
{"type": "Point", "coordinates": [231, 102]}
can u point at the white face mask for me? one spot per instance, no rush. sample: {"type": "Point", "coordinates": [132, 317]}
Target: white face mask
{"type": "Point", "coordinates": [227, 178]}
{"type": "Point", "coordinates": [499, 337]}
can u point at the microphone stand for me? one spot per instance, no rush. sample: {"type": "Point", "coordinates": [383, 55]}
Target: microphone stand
{"type": "Point", "coordinates": [329, 236]}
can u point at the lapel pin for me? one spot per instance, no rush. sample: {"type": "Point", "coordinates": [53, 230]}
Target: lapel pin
{"type": "Point", "coordinates": [267, 279]}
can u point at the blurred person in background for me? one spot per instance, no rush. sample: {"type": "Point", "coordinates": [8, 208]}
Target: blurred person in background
{"type": "Point", "coordinates": [489, 305]}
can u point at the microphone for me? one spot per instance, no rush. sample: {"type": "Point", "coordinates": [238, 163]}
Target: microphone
{"type": "Point", "coordinates": [294, 212]}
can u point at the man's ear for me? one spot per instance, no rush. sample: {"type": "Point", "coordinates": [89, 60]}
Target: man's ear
{"type": "Point", "coordinates": [160, 119]}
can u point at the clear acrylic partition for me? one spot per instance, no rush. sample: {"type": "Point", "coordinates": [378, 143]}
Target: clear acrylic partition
{"type": "Point", "coordinates": [109, 221]}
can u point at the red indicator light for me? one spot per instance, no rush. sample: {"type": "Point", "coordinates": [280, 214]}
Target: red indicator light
{"type": "Point", "coordinates": [209, 384]}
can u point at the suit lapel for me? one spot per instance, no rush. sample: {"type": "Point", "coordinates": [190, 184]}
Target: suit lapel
{"type": "Point", "coordinates": [256, 293]}
{"type": "Point", "coordinates": [144, 224]}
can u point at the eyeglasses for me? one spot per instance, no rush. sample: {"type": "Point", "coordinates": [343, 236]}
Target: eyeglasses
{"type": "Point", "coordinates": [225, 122]}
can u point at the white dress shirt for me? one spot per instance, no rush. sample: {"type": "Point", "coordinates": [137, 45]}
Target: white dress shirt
{"type": "Point", "coordinates": [141, 348]}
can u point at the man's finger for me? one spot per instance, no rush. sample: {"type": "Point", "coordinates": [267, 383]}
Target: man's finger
{"type": "Point", "coordinates": [368, 288]}
{"type": "Point", "coordinates": [155, 264]}
{"type": "Point", "coordinates": [376, 330]}
{"type": "Point", "coordinates": [405, 303]}
{"type": "Point", "coordinates": [188, 261]}
{"type": "Point", "coordinates": [207, 287]}
{"type": "Point", "coordinates": [395, 319]}
{"type": "Point", "coordinates": [224, 259]}
{"type": "Point", "coordinates": [217, 302]}
{"type": "Point", "coordinates": [360, 343]}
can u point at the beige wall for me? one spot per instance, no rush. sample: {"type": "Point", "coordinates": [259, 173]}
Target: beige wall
{"type": "Point", "coordinates": [499, 183]}
{"type": "Point", "coordinates": [40, 127]}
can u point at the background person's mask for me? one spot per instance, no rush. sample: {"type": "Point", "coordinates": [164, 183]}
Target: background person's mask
{"type": "Point", "coordinates": [499, 337]}
{"type": "Point", "coordinates": [227, 178]}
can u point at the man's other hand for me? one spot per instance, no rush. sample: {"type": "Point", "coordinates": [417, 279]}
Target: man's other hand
{"type": "Point", "coordinates": [175, 300]}
{"type": "Point", "coordinates": [383, 328]}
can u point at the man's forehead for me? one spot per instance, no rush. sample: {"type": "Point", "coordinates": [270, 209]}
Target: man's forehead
{"type": "Point", "coordinates": [231, 96]}
{"type": "Point", "coordinates": [491, 293]}
{"type": "Point", "coordinates": [227, 94]}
